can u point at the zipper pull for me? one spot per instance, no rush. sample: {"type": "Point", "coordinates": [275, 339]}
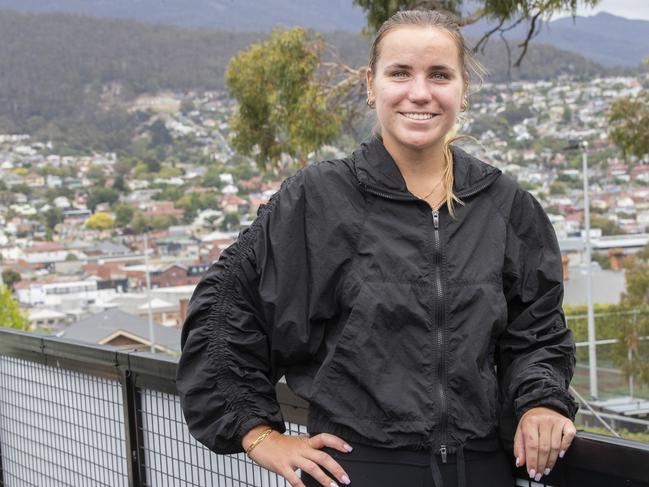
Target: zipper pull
{"type": "Point", "coordinates": [442, 451]}
{"type": "Point", "coordinates": [436, 219]}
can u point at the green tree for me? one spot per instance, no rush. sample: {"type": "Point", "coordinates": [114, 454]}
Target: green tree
{"type": "Point", "coordinates": [10, 277]}
{"type": "Point", "coordinates": [629, 119]}
{"type": "Point", "coordinates": [101, 195]}
{"type": "Point", "coordinates": [608, 227]}
{"type": "Point", "coordinates": [11, 316]}
{"type": "Point", "coordinates": [159, 134]}
{"type": "Point", "coordinates": [123, 214]}
{"type": "Point", "coordinates": [120, 183]}
{"type": "Point", "coordinates": [632, 349]}
{"type": "Point", "coordinates": [52, 217]}
{"type": "Point", "coordinates": [284, 103]}
{"type": "Point", "coordinates": [503, 13]}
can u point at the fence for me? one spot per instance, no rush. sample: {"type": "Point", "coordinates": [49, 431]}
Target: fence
{"type": "Point", "coordinates": [73, 414]}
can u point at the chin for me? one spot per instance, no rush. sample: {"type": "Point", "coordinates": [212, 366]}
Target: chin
{"type": "Point", "coordinates": [422, 143]}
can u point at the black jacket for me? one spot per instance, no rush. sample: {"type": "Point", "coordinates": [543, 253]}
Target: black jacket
{"type": "Point", "coordinates": [402, 327]}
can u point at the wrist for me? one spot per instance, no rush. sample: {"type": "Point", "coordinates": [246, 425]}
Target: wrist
{"type": "Point", "coordinates": [252, 435]}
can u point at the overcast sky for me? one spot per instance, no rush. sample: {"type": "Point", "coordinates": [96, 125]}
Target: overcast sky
{"type": "Point", "coordinates": [631, 9]}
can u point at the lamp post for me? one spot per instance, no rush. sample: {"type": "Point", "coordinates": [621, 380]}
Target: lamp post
{"type": "Point", "coordinates": [592, 349]}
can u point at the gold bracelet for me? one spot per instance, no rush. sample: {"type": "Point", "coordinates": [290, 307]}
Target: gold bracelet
{"type": "Point", "coordinates": [259, 439]}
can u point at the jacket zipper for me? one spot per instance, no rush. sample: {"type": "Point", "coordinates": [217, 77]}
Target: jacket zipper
{"type": "Point", "coordinates": [439, 308]}
{"type": "Point", "coordinates": [440, 315]}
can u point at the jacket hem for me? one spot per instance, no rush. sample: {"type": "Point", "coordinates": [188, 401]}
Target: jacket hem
{"type": "Point", "coordinates": [319, 422]}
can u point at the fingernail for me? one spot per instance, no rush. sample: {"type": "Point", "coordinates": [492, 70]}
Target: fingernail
{"type": "Point", "coordinates": [345, 480]}
{"type": "Point", "coordinates": [537, 477]}
{"type": "Point", "coordinates": [333, 484]}
{"type": "Point", "coordinates": [518, 462]}
{"type": "Point", "coordinates": [347, 447]}
{"type": "Point", "coordinates": [546, 471]}
{"type": "Point", "coordinates": [562, 453]}
{"type": "Point", "coordinates": [532, 473]}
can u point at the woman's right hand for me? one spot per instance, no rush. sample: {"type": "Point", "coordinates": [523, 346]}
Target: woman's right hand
{"type": "Point", "coordinates": [283, 454]}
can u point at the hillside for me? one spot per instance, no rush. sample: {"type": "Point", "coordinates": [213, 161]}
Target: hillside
{"type": "Point", "coordinates": [606, 39]}
{"type": "Point", "coordinates": [57, 66]}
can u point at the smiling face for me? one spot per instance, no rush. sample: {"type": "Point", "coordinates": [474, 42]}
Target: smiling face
{"type": "Point", "coordinates": [418, 84]}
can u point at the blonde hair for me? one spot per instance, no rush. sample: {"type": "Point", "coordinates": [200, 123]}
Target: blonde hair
{"type": "Point", "coordinates": [471, 69]}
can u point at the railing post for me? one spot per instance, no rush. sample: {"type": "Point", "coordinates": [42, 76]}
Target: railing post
{"type": "Point", "coordinates": [133, 429]}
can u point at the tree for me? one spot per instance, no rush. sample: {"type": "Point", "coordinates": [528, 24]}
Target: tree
{"type": "Point", "coordinates": [100, 221]}
{"type": "Point", "coordinates": [101, 195]}
{"type": "Point", "coordinates": [10, 277]}
{"type": "Point", "coordinates": [629, 119]}
{"type": "Point", "coordinates": [123, 214]}
{"type": "Point", "coordinates": [632, 349]}
{"type": "Point", "coordinates": [159, 134]}
{"type": "Point", "coordinates": [504, 14]}
{"type": "Point", "coordinates": [52, 217]}
{"type": "Point", "coordinates": [11, 316]}
{"type": "Point", "coordinates": [608, 227]}
{"type": "Point", "coordinates": [284, 102]}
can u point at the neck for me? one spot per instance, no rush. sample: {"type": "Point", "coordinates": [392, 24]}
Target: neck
{"type": "Point", "coordinates": [418, 167]}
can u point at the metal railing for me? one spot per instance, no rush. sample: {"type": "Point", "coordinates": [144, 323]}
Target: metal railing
{"type": "Point", "coordinates": [73, 414]}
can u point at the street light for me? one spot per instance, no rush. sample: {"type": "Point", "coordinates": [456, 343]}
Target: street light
{"type": "Point", "coordinates": [592, 350]}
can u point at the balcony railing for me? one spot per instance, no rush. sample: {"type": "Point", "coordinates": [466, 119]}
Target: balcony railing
{"type": "Point", "coordinates": [81, 415]}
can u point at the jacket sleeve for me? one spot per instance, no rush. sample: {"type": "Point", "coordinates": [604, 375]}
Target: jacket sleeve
{"type": "Point", "coordinates": [248, 318]}
{"type": "Point", "coordinates": [536, 352]}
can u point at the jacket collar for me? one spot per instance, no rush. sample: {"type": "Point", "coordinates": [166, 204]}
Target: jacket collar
{"type": "Point", "coordinates": [375, 167]}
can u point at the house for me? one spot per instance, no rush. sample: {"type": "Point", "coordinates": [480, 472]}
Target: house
{"type": "Point", "coordinates": [123, 330]}
{"type": "Point", "coordinates": [153, 209]}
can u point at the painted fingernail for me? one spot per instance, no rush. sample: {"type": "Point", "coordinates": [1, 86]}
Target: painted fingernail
{"type": "Point", "coordinates": [546, 471]}
{"type": "Point", "coordinates": [537, 477]}
{"type": "Point", "coordinates": [532, 473]}
{"type": "Point", "coordinates": [345, 480]}
{"type": "Point", "coordinates": [518, 462]}
{"type": "Point", "coordinates": [347, 447]}
{"type": "Point", "coordinates": [562, 453]}
{"type": "Point", "coordinates": [333, 484]}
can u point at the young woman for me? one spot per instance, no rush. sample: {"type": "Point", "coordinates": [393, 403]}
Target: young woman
{"type": "Point", "coordinates": [410, 292]}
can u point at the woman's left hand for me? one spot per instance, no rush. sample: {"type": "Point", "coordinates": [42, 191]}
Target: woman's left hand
{"type": "Point", "coordinates": [542, 435]}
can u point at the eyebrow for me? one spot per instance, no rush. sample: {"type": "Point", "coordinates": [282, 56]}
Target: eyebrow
{"type": "Point", "coordinates": [407, 66]}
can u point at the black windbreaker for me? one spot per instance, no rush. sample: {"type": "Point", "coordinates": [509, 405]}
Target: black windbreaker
{"type": "Point", "coordinates": [401, 326]}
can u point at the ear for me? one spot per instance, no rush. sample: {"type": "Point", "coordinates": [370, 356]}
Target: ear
{"type": "Point", "coordinates": [368, 80]}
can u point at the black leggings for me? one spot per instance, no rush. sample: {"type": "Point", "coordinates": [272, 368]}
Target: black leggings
{"type": "Point", "coordinates": [381, 467]}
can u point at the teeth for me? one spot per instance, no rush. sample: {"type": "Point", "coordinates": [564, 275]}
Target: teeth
{"type": "Point", "coordinates": [419, 116]}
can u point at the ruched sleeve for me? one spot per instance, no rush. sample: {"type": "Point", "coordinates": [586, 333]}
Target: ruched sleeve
{"type": "Point", "coordinates": [254, 313]}
{"type": "Point", "coordinates": [536, 352]}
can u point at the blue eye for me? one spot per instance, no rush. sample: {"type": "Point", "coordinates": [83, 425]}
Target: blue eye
{"type": "Point", "coordinates": [439, 75]}
{"type": "Point", "coordinates": [399, 74]}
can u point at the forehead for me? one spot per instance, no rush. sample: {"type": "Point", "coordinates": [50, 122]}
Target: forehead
{"type": "Point", "coordinates": [415, 44]}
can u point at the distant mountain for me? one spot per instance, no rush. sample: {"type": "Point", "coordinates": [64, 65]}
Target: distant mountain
{"type": "Point", "coordinates": [606, 39]}
{"type": "Point", "coordinates": [70, 69]}
{"type": "Point", "coordinates": [232, 15]}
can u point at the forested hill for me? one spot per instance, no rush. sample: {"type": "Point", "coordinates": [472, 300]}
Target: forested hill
{"type": "Point", "coordinates": [56, 65]}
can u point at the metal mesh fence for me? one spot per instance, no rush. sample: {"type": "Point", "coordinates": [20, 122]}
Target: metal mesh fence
{"type": "Point", "coordinates": [60, 428]}
{"type": "Point", "coordinates": [173, 457]}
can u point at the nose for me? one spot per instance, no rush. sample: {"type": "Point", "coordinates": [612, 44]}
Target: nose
{"type": "Point", "coordinates": [419, 92]}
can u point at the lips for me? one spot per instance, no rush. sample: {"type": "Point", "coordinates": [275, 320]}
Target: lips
{"type": "Point", "coordinates": [418, 115]}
